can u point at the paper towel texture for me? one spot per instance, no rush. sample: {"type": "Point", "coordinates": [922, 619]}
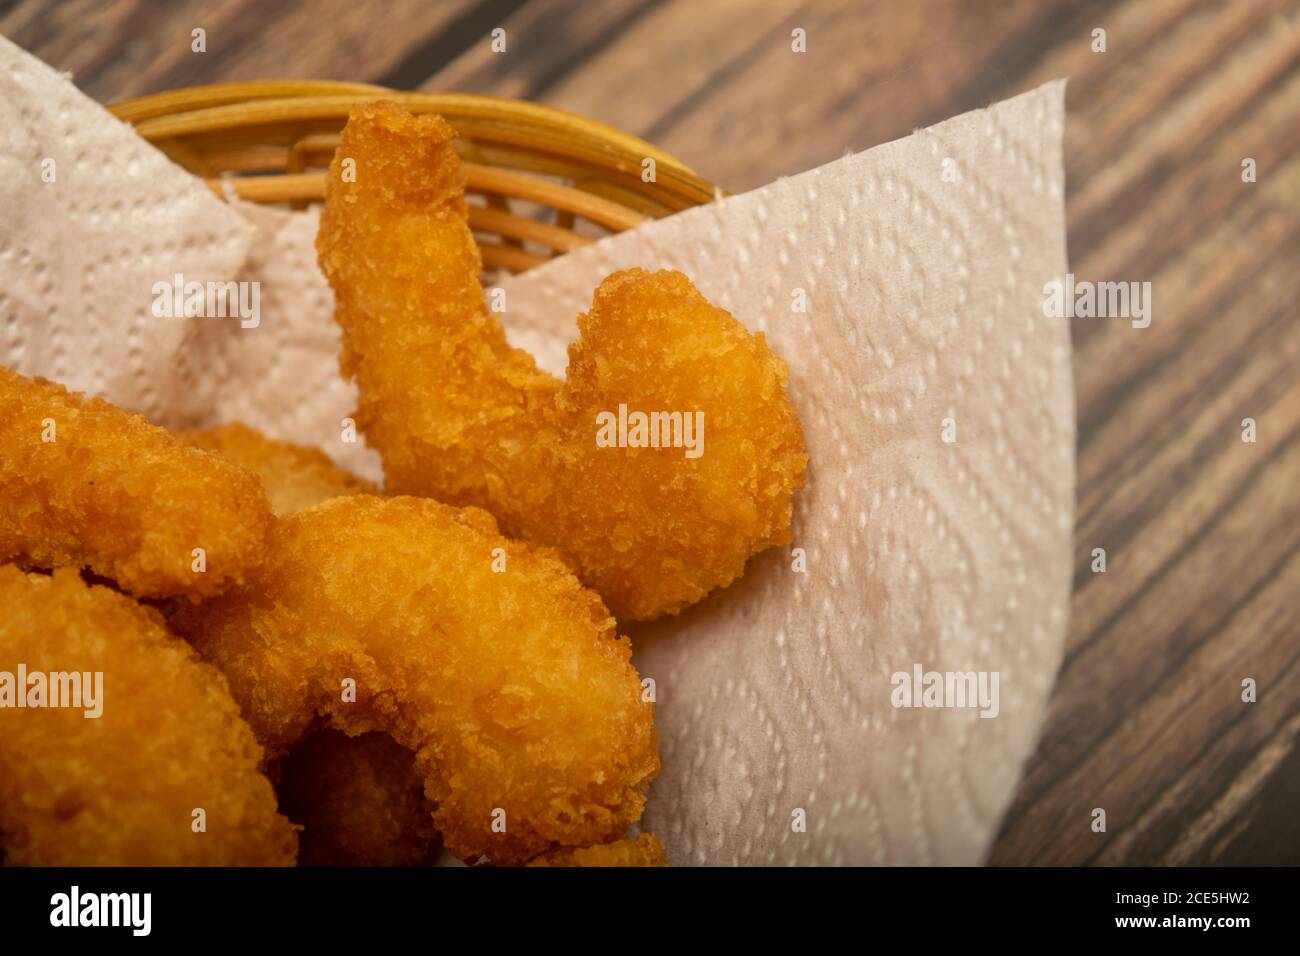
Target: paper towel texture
{"type": "Point", "coordinates": [91, 216]}
{"type": "Point", "coordinates": [922, 263]}
{"type": "Point", "coordinates": [924, 305]}
{"type": "Point", "coordinates": [282, 377]}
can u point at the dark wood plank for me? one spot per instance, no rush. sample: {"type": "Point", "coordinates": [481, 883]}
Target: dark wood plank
{"type": "Point", "coordinates": [1200, 528]}
{"type": "Point", "coordinates": [136, 47]}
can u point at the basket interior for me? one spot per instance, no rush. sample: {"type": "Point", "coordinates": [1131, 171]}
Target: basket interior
{"type": "Point", "coordinates": [541, 181]}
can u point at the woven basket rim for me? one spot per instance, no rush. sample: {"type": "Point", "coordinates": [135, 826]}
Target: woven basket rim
{"type": "Point", "coordinates": [213, 107]}
{"type": "Point", "coordinates": [259, 138]}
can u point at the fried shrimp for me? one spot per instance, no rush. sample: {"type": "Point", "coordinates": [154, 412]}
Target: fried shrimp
{"type": "Point", "coordinates": [645, 850]}
{"type": "Point", "coordinates": [294, 476]}
{"type": "Point", "coordinates": [85, 484]}
{"type": "Point", "coordinates": [359, 800]}
{"type": "Point", "coordinates": [166, 773]}
{"type": "Point", "coordinates": [484, 656]}
{"type": "Point", "coordinates": [668, 456]}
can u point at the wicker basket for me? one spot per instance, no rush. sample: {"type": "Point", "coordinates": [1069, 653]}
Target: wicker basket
{"type": "Point", "coordinates": [551, 181]}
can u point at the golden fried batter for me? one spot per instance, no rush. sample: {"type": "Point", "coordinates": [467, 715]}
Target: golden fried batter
{"type": "Point", "coordinates": [483, 655]}
{"type": "Point", "coordinates": [121, 789]}
{"type": "Point", "coordinates": [359, 801]}
{"type": "Point", "coordinates": [645, 850]}
{"type": "Point", "coordinates": [460, 416]}
{"type": "Point", "coordinates": [294, 476]}
{"type": "Point", "coordinates": [358, 798]}
{"type": "Point", "coordinates": [86, 484]}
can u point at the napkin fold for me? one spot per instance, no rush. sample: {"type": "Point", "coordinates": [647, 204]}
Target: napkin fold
{"type": "Point", "coordinates": [904, 288]}
{"type": "Point", "coordinates": [91, 219]}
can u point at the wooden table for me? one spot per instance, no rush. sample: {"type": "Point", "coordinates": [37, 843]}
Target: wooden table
{"type": "Point", "coordinates": [1200, 528]}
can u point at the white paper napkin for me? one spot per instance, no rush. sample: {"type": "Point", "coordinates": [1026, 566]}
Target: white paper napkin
{"type": "Point", "coordinates": [91, 217]}
{"type": "Point", "coordinates": [923, 262]}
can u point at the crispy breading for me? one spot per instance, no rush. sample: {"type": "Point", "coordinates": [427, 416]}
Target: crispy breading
{"type": "Point", "coordinates": [460, 416]}
{"type": "Point", "coordinates": [644, 850]}
{"type": "Point", "coordinates": [122, 788]}
{"type": "Point", "coordinates": [294, 476]}
{"type": "Point", "coordinates": [484, 656]}
{"type": "Point", "coordinates": [359, 801]}
{"type": "Point", "coordinates": [86, 484]}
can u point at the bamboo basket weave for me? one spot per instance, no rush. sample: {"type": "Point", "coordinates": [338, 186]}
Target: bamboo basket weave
{"type": "Point", "coordinates": [270, 142]}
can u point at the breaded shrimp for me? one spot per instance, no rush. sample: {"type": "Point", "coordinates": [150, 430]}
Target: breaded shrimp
{"type": "Point", "coordinates": [483, 655]}
{"type": "Point", "coordinates": [459, 415]}
{"type": "Point", "coordinates": [85, 484]}
{"type": "Point", "coordinates": [294, 476]}
{"type": "Point", "coordinates": [122, 788]}
{"type": "Point", "coordinates": [359, 799]}
{"type": "Point", "coordinates": [645, 850]}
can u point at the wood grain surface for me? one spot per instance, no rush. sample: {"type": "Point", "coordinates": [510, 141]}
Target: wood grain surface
{"type": "Point", "coordinates": [1201, 529]}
